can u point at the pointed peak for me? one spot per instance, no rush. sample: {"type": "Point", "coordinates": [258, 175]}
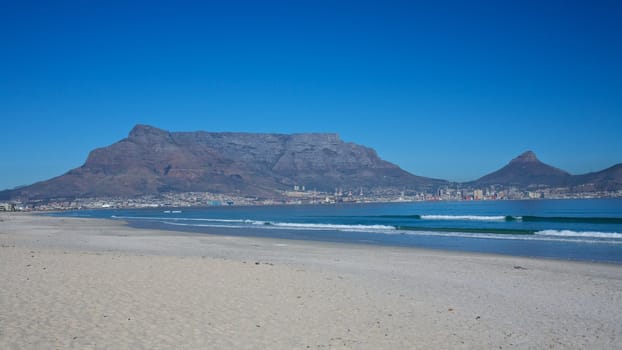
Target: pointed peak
{"type": "Point", "coordinates": [527, 157]}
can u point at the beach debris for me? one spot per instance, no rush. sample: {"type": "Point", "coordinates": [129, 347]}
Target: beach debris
{"type": "Point", "coordinates": [477, 318]}
{"type": "Point", "coordinates": [450, 309]}
{"type": "Point", "coordinates": [518, 267]}
{"type": "Point", "coordinates": [257, 262]}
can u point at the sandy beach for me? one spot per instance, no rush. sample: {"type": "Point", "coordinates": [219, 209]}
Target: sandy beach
{"type": "Point", "coordinates": [70, 283]}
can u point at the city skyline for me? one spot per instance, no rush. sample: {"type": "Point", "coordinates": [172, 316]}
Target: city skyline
{"type": "Point", "coordinates": [446, 90]}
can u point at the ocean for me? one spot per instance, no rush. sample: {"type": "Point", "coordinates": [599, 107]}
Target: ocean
{"type": "Point", "coordinates": [587, 230]}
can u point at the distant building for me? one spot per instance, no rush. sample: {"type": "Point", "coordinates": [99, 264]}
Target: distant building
{"type": "Point", "coordinates": [478, 195]}
{"type": "Point", "coordinates": [7, 207]}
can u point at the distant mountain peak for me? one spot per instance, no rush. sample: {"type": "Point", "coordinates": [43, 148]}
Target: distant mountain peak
{"type": "Point", "coordinates": [527, 157]}
{"type": "Point", "coordinates": [525, 170]}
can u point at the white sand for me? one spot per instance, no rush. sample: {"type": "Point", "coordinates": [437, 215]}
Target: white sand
{"type": "Point", "coordinates": [97, 284]}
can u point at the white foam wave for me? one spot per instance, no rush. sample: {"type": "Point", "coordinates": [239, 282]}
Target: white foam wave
{"type": "Point", "coordinates": [332, 226]}
{"type": "Point", "coordinates": [544, 235]}
{"type": "Point", "coordinates": [550, 235]}
{"type": "Point", "coordinates": [200, 225]}
{"type": "Point", "coordinates": [569, 233]}
{"type": "Point", "coordinates": [463, 217]}
{"type": "Point", "coordinates": [581, 239]}
{"type": "Point", "coordinates": [258, 223]}
{"type": "Point", "coordinates": [175, 218]}
{"type": "Point", "coordinates": [293, 226]}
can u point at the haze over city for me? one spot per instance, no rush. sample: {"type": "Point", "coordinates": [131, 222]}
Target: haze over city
{"type": "Point", "coordinates": [448, 90]}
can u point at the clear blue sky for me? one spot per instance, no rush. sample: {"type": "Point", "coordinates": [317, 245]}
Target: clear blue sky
{"type": "Point", "coordinates": [446, 89]}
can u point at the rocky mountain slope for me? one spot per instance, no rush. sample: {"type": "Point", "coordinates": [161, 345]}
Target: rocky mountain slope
{"type": "Point", "coordinates": [152, 160]}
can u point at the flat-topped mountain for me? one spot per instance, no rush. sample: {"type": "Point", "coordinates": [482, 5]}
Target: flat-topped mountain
{"type": "Point", "coordinates": [526, 170]}
{"type": "Point", "coordinates": [152, 160]}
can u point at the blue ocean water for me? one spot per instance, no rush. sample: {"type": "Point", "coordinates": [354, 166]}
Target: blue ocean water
{"type": "Point", "coordinates": [565, 229]}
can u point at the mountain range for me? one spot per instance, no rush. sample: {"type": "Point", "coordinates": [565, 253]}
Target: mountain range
{"type": "Point", "coordinates": [151, 161]}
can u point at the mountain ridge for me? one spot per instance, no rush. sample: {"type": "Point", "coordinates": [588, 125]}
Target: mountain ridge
{"type": "Point", "coordinates": [151, 161]}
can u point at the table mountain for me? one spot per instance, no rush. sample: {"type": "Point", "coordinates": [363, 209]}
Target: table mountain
{"type": "Point", "coordinates": [152, 161]}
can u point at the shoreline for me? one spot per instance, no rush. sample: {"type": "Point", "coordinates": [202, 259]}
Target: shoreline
{"type": "Point", "coordinates": [551, 235]}
{"type": "Point", "coordinates": [172, 232]}
{"type": "Point", "coordinates": [74, 277]}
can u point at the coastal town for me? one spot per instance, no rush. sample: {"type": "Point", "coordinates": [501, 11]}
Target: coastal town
{"type": "Point", "coordinates": [300, 195]}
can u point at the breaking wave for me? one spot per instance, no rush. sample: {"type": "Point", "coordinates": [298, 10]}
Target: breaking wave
{"type": "Point", "coordinates": [524, 218]}
{"type": "Point", "coordinates": [569, 233]}
{"type": "Point", "coordinates": [337, 227]}
{"type": "Point", "coordinates": [472, 232]}
{"type": "Point", "coordinates": [465, 217]}
{"type": "Point", "coordinates": [174, 218]}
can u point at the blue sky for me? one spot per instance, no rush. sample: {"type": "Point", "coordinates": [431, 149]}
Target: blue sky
{"type": "Point", "coordinates": [446, 89]}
